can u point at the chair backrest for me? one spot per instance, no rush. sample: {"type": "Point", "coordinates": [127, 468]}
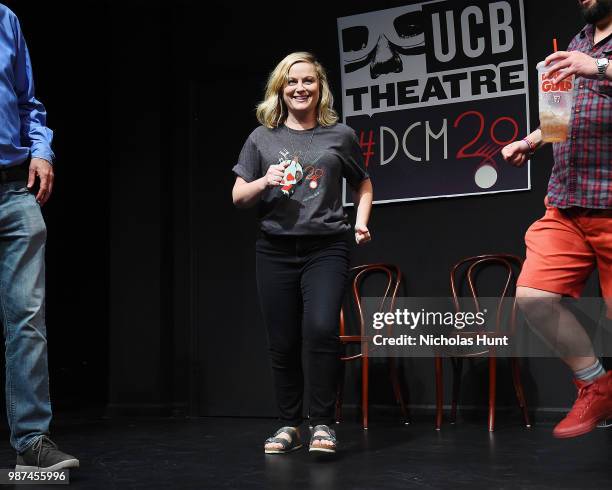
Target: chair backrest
{"type": "Point", "coordinates": [359, 274]}
{"type": "Point", "coordinates": [471, 266]}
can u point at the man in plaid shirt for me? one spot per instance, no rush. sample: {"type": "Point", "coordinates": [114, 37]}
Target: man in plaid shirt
{"type": "Point", "coordinates": [575, 234]}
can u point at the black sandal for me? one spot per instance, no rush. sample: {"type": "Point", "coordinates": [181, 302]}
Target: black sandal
{"type": "Point", "coordinates": [330, 436]}
{"type": "Point", "coordinates": [287, 446]}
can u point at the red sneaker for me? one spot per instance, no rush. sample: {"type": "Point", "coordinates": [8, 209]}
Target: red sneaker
{"type": "Point", "coordinates": [594, 404]}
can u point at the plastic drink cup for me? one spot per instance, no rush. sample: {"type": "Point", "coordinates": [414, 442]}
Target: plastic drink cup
{"type": "Point", "coordinates": [555, 103]}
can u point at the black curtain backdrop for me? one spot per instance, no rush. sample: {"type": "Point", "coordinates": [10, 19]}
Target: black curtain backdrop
{"type": "Point", "coordinates": [151, 291]}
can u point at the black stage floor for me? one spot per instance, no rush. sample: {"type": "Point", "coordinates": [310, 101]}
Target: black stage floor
{"type": "Point", "coordinates": [226, 453]}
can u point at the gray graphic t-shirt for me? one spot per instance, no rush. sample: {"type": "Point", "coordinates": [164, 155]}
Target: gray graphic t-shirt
{"type": "Point", "coordinates": [309, 201]}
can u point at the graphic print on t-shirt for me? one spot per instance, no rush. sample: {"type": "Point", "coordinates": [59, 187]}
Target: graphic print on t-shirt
{"type": "Point", "coordinates": [313, 174]}
{"type": "Point", "coordinates": [292, 176]}
{"type": "Point", "coordinates": [295, 172]}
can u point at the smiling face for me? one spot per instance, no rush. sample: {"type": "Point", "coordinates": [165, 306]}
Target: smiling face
{"type": "Point", "coordinates": [301, 92]}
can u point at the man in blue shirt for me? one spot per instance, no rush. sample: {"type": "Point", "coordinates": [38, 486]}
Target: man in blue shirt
{"type": "Point", "coordinates": [25, 157]}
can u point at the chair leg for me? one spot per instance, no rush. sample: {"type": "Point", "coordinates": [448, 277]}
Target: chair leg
{"type": "Point", "coordinates": [439, 392]}
{"type": "Point", "coordinates": [397, 389]}
{"type": "Point", "coordinates": [340, 394]}
{"type": "Point", "coordinates": [457, 371]}
{"type": "Point", "coordinates": [364, 389]}
{"type": "Point", "coordinates": [518, 388]}
{"type": "Point", "coordinates": [492, 391]}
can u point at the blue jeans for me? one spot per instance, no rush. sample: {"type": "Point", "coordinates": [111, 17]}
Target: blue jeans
{"type": "Point", "coordinates": [22, 312]}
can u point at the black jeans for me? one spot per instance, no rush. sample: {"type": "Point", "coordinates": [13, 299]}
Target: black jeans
{"type": "Point", "coordinates": [301, 283]}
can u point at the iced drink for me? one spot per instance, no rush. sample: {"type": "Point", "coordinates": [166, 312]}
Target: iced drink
{"type": "Point", "coordinates": [555, 101]}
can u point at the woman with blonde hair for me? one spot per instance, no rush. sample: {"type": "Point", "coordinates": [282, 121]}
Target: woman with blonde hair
{"type": "Point", "coordinates": [292, 166]}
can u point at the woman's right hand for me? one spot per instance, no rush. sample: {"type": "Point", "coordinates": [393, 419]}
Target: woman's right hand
{"type": "Point", "coordinates": [274, 175]}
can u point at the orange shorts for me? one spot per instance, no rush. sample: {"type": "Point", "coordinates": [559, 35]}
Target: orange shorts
{"type": "Point", "coordinates": [564, 247]}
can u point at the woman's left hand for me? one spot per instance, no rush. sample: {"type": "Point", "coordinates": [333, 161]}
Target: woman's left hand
{"type": "Point", "coordinates": [362, 234]}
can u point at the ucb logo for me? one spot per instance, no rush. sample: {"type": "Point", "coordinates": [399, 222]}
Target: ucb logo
{"type": "Point", "coordinates": [549, 86]}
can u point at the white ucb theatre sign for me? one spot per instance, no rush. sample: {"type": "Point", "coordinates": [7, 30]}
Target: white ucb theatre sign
{"type": "Point", "coordinates": [434, 91]}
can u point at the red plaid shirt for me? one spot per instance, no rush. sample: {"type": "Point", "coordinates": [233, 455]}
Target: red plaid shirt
{"type": "Point", "coordinates": [582, 174]}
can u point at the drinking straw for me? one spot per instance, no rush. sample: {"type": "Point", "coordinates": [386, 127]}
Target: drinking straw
{"type": "Point", "coordinates": [555, 44]}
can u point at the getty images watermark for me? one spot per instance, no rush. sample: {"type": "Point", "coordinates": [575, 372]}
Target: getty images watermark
{"type": "Point", "coordinates": [426, 327]}
{"type": "Point", "coordinates": [429, 319]}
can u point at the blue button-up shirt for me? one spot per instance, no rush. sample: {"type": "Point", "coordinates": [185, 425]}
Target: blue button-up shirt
{"type": "Point", "coordinates": [22, 118]}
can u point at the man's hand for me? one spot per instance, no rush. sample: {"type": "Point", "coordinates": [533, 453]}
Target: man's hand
{"type": "Point", "coordinates": [516, 153]}
{"type": "Point", "coordinates": [572, 63]}
{"type": "Point", "coordinates": [362, 234]}
{"type": "Point", "coordinates": [44, 170]}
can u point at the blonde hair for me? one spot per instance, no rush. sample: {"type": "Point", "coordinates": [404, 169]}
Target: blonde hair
{"type": "Point", "coordinates": [272, 111]}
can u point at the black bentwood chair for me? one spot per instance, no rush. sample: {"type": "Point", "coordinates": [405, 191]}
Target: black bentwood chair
{"type": "Point", "coordinates": [469, 268]}
{"type": "Point", "coordinates": [392, 284]}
